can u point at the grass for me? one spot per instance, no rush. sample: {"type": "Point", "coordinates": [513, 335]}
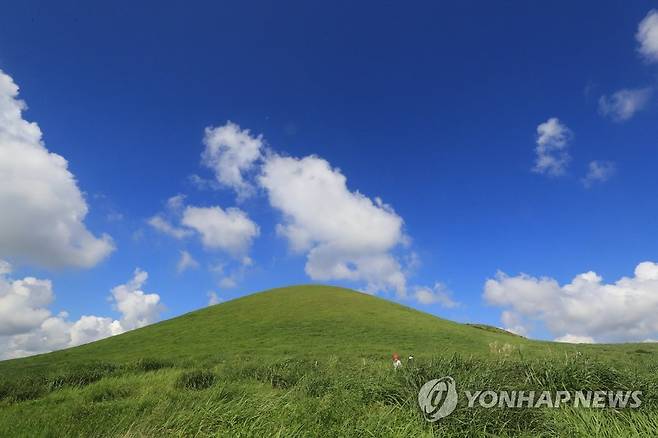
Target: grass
{"type": "Point", "coordinates": [314, 361]}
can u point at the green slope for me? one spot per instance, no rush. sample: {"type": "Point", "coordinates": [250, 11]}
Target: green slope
{"type": "Point", "coordinates": [299, 321]}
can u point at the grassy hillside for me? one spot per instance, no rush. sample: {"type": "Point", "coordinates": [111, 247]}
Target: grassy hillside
{"type": "Point", "coordinates": [304, 321]}
{"type": "Point", "coordinates": [310, 361]}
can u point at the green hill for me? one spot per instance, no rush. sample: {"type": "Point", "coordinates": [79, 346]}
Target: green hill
{"type": "Point", "coordinates": [305, 361]}
{"type": "Point", "coordinates": [301, 321]}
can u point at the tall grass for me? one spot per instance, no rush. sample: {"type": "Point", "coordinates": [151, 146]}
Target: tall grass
{"type": "Point", "coordinates": [331, 397]}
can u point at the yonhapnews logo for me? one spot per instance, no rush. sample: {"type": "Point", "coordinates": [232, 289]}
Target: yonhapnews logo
{"type": "Point", "coordinates": [438, 398]}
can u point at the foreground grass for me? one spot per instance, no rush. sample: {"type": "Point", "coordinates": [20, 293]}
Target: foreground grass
{"type": "Point", "coordinates": [307, 398]}
{"type": "Point", "coordinates": [314, 361]}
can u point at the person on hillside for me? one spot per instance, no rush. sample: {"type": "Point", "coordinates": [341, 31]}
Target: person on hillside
{"type": "Point", "coordinates": [396, 361]}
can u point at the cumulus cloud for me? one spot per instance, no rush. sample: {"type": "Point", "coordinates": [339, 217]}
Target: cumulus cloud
{"type": "Point", "coordinates": [345, 235]}
{"type": "Point", "coordinates": [230, 230]}
{"type": "Point", "coordinates": [23, 304]}
{"type": "Point", "coordinates": [28, 327]}
{"type": "Point", "coordinates": [553, 138]}
{"type": "Point", "coordinates": [230, 152]}
{"type": "Point", "coordinates": [586, 307]}
{"type": "Point", "coordinates": [90, 328]}
{"type": "Point", "coordinates": [599, 172]}
{"type": "Point", "coordinates": [647, 36]}
{"type": "Point", "coordinates": [137, 308]}
{"type": "Point", "coordinates": [186, 262]}
{"type": "Point", "coordinates": [52, 334]}
{"type": "Point", "coordinates": [43, 210]}
{"type": "Point", "coordinates": [438, 294]}
{"type": "Point", "coordinates": [623, 104]}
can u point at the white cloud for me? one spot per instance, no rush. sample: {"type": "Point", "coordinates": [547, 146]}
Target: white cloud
{"type": "Point", "coordinates": [161, 223]}
{"type": "Point", "coordinates": [213, 298]}
{"type": "Point", "coordinates": [438, 294]}
{"type": "Point", "coordinates": [230, 230]}
{"type": "Point", "coordinates": [52, 334]}
{"type": "Point", "coordinates": [186, 262]}
{"type": "Point", "coordinates": [586, 307]}
{"type": "Point", "coordinates": [345, 235]}
{"type": "Point", "coordinates": [574, 339]}
{"type": "Point", "coordinates": [164, 226]}
{"type": "Point", "coordinates": [599, 172]}
{"type": "Point", "coordinates": [623, 104]}
{"type": "Point", "coordinates": [91, 328]}
{"type": "Point", "coordinates": [43, 210]}
{"type": "Point", "coordinates": [647, 36]}
{"type": "Point", "coordinates": [230, 152]}
{"type": "Point", "coordinates": [553, 138]}
{"type": "Point", "coordinates": [23, 304]}
{"type": "Point", "coordinates": [137, 307]}
{"type": "Point", "coordinates": [28, 327]}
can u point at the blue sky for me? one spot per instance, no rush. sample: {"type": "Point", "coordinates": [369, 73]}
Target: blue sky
{"type": "Point", "coordinates": [433, 108]}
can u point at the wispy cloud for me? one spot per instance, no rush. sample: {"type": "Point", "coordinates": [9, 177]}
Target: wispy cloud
{"type": "Point", "coordinates": [553, 138]}
{"type": "Point", "coordinates": [186, 262]}
{"type": "Point", "coordinates": [624, 104]}
{"type": "Point", "coordinates": [599, 172]}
